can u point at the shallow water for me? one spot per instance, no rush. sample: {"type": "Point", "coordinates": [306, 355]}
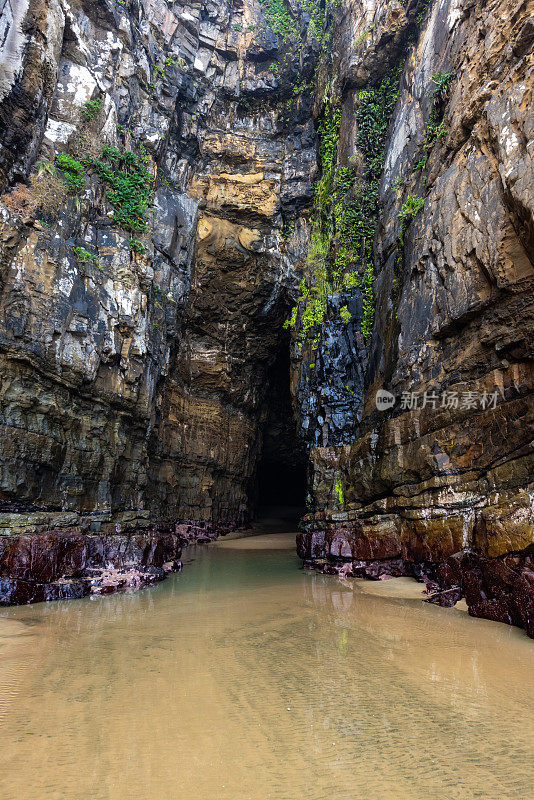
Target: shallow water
{"type": "Point", "coordinates": [245, 678]}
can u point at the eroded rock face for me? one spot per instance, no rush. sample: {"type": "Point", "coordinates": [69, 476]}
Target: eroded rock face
{"type": "Point", "coordinates": [136, 381]}
{"type": "Point", "coordinates": [68, 564]}
{"type": "Point", "coordinates": [454, 313]}
{"type": "Point", "coordinates": [137, 375]}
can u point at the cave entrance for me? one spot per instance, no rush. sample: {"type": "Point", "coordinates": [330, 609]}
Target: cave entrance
{"type": "Point", "coordinates": [281, 473]}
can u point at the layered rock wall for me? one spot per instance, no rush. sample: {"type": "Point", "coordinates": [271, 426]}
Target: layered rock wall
{"type": "Point", "coordinates": [449, 467]}
{"type": "Point", "coordinates": [66, 564]}
{"type": "Point", "coordinates": [157, 162]}
{"type": "Point", "coordinates": [134, 376]}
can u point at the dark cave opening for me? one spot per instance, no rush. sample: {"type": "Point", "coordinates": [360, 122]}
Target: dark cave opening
{"type": "Point", "coordinates": [281, 472]}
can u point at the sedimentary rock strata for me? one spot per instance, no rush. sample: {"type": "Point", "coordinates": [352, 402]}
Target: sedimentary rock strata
{"type": "Point", "coordinates": [178, 181]}
{"type": "Point", "coordinates": [64, 564]}
{"type": "Point", "coordinates": [415, 484]}
{"type": "Point", "coordinates": [134, 377]}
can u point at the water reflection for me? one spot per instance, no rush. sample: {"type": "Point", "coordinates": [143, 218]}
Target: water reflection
{"type": "Point", "coordinates": [247, 678]}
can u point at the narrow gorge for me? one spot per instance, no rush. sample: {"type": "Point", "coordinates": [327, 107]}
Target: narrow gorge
{"type": "Point", "coordinates": [266, 399]}
{"type": "Point", "coordinates": [265, 253]}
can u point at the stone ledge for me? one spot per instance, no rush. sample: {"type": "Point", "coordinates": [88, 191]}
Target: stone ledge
{"type": "Point", "coordinates": [499, 588]}
{"type": "Point", "coordinates": [39, 563]}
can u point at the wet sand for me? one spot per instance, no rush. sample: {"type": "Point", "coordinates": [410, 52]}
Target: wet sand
{"type": "Point", "coordinates": [247, 678]}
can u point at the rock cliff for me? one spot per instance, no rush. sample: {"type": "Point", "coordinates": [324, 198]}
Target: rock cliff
{"type": "Point", "coordinates": [180, 179]}
{"type": "Point", "coordinates": [136, 340]}
{"type": "Point", "coordinates": [447, 469]}
{"type": "Point", "coordinates": [152, 157]}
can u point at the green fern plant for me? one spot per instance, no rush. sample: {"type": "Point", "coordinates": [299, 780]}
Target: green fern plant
{"type": "Point", "coordinates": [411, 207]}
{"type": "Point", "coordinates": [85, 257]}
{"type": "Point", "coordinates": [73, 171]}
{"type": "Point", "coordinates": [136, 246]}
{"type": "Point", "coordinates": [92, 107]}
{"type": "Point", "coordinates": [442, 81]}
{"type": "Point", "coordinates": [345, 314]}
{"type": "Point", "coordinates": [129, 186]}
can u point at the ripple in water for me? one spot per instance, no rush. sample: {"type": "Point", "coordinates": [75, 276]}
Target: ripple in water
{"type": "Point", "coordinates": [246, 678]}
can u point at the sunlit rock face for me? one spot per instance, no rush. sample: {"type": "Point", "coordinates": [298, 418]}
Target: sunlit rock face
{"type": "Point", "coordinates": [453, 308]}
{"type": "Point", "coordinates": [135, 383]}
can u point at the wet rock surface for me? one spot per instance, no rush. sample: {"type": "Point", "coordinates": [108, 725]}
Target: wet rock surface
{"type": "Point", "coordinates": [442, 471]}
{"type": "Point", "coordinates": [500, 589]}
{"type": "Point", "coordinates": [138, 362]}
{"type": "Point", "coordinates": [136, 379]}
{"type": "Point", "coordinates": [63, 563]}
